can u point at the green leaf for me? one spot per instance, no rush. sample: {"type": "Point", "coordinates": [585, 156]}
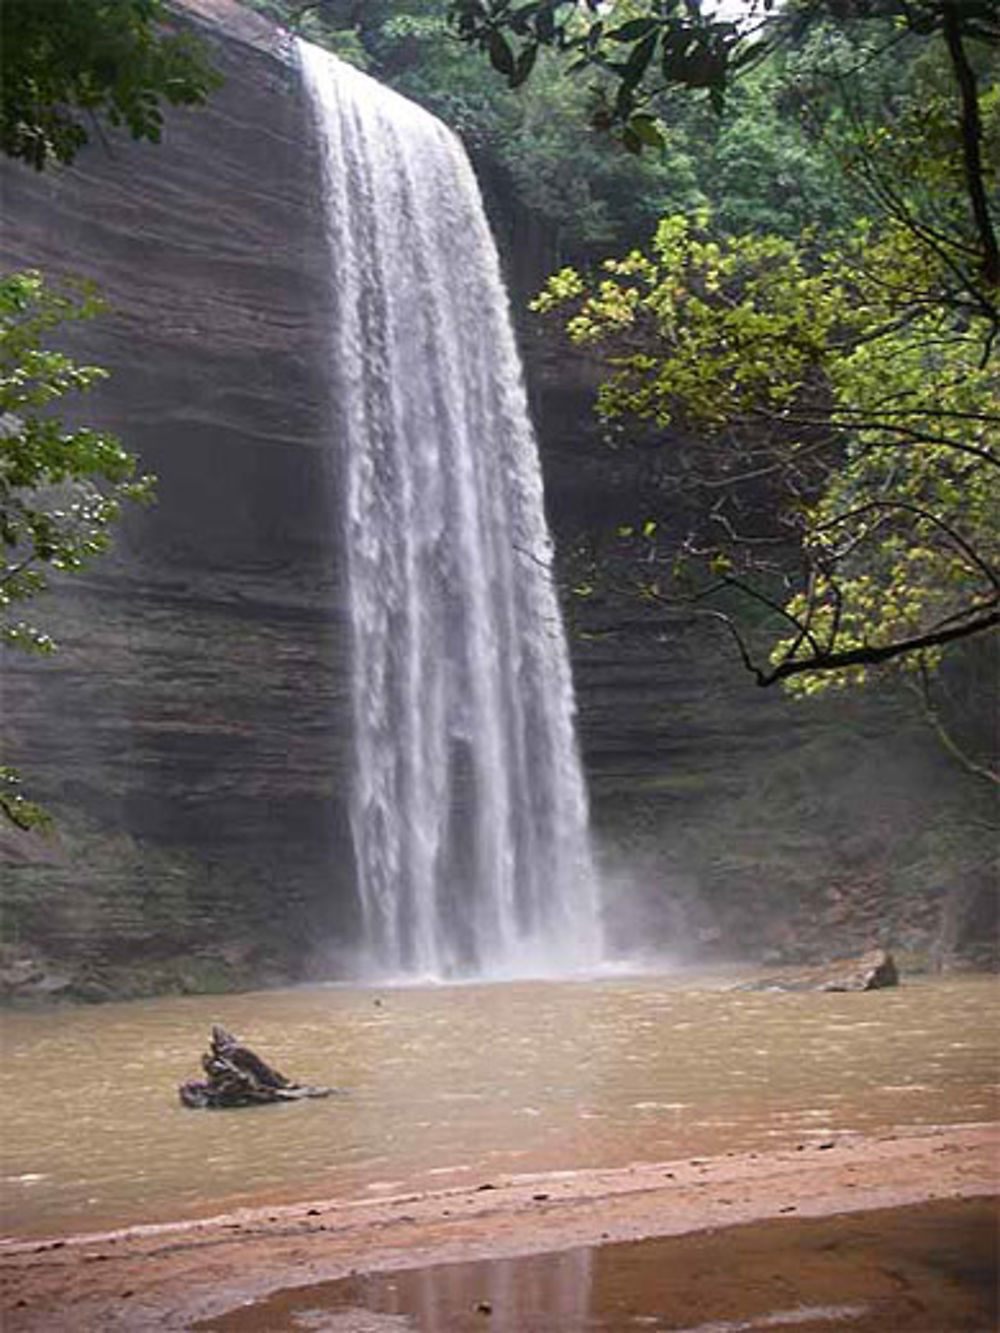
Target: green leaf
{"type": "Point", "coordinates": [638, 61]}
{"type": "Point", "coordinates": [646, 128]}
{"type": "Point", "coordinates": [501, 56]}
{"type": "Point", "coordinates": [524, 65]}
{"type": "Point", "coordinates": [633, 30]}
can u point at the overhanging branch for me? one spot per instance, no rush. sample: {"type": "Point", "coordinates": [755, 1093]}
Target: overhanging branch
{"type": "Point", "coordinates": [871, 655]}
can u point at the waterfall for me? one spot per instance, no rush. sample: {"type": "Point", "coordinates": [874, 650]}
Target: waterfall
{"type": "Point", "coordinates": [469, 810]}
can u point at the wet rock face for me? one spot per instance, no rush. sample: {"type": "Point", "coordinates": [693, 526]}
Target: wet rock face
{"type": "Point", "coordinates": [191, 734]}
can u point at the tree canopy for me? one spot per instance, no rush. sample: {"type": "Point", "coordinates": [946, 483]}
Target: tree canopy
{"type": "Point", "coordinates": [540, 147]}
{"type": "Point", "coordinates": [646, 48]}
{"type": "Point", "coordinates": [840, 381]}
{"type": "Point", "coordinates": [68, 65]}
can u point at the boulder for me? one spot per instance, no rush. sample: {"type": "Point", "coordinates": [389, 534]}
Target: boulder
{"type": "Point", "coordinates": [25, 976]}
{"type": "Point", "coordinates": [873, 970]}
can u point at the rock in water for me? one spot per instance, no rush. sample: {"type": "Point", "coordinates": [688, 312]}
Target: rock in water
{"type": "Point", "coordinates": [237, 1076]}
{"type": "Point", "coordinates": [873, 970]}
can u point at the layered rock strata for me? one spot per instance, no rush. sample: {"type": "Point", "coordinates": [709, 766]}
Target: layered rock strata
{"type": "Point", "coordinates": [190, 736]}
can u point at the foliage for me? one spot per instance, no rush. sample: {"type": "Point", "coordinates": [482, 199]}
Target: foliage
{"type": "Point", "coordinates": [769, 159]}
{"type": "Point", "coordinates": [535, 146]}
{"type": "Point", "coordinates": [15, 807]}
{"type": "Point", "coordinates": [324, 25]}
{"type": "Point", "coordinates": [853, 382]}
{"type": "Point", "coordinates": [642, 47]}
{"type": "Point", "coordinates": [67, 64]}
{"type": "Point", "coordinates": [543, 148]}
{"type": "Point", "coordinates": [646, 46]}
{"type": "Point", "coordinates": [61, 487]}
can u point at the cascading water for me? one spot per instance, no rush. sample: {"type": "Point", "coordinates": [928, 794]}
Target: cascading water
{"type": "Point", "coordinates": [469, 809]}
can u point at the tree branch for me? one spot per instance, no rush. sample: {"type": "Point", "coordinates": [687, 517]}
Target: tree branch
{"type": "Point", "coordinates": [933, 718]}
{"type": "Point", "coordinates": [972, 133]}
{"type": "Point", "coordinates": [875, 656]}
{"type": "Point", "coordinates": [887, 506]}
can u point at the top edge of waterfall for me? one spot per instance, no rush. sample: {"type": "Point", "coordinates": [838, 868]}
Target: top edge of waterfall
{"type": "Point", "coordinates": [342, 74]}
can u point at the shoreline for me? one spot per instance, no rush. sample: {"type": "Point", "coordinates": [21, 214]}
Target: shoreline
{"type": "Point", "coordinates": [167, 1275]}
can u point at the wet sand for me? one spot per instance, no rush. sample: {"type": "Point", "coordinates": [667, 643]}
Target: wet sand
{"type": "Point", "coordinates": [223, 1271]}
{"type": "Point", "coordinates": [928, 1268]}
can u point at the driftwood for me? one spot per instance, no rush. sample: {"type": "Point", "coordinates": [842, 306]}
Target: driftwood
{"type": "Point", "coordinates": [237, 1076]}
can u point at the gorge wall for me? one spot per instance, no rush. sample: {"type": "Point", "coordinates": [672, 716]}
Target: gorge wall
{"type": "Point", "coordinates": [191, 736]}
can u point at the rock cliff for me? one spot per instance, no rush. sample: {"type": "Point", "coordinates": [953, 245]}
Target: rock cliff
{"type": "Point", "coordinates": [192, 734]}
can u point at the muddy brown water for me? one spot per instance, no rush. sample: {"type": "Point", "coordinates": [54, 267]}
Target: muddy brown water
{"type": "Point", "coordinates": [460, 1085]}
{"type": "Point", "coordinates": [924, 1269]}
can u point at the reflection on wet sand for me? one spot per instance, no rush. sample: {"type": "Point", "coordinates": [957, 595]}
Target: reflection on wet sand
{"type": "Point", "coordinates": [925, 1269]}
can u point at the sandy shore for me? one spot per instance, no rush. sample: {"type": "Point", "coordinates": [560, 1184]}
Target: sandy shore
{"type": "Point", "coordinates": [167, 1276]}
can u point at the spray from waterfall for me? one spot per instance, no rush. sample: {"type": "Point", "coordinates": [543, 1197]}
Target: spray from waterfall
{"type": "Point", "coordinates": [469, 810]}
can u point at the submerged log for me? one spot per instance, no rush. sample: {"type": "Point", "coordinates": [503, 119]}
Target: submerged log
{"type": "Point", "coordinates": [237, 1076]}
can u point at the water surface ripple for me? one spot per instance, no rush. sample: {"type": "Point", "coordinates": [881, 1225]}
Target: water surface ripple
{"type": "Point", "coordinates": [464, 1084]}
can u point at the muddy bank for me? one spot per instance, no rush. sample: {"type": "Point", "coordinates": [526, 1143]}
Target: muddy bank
{"type": "Point", "coordinates": [170, 1276]}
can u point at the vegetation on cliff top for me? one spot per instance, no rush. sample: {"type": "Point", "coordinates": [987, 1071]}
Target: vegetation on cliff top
{"type": "Point", "coordinates": [540, 146]}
